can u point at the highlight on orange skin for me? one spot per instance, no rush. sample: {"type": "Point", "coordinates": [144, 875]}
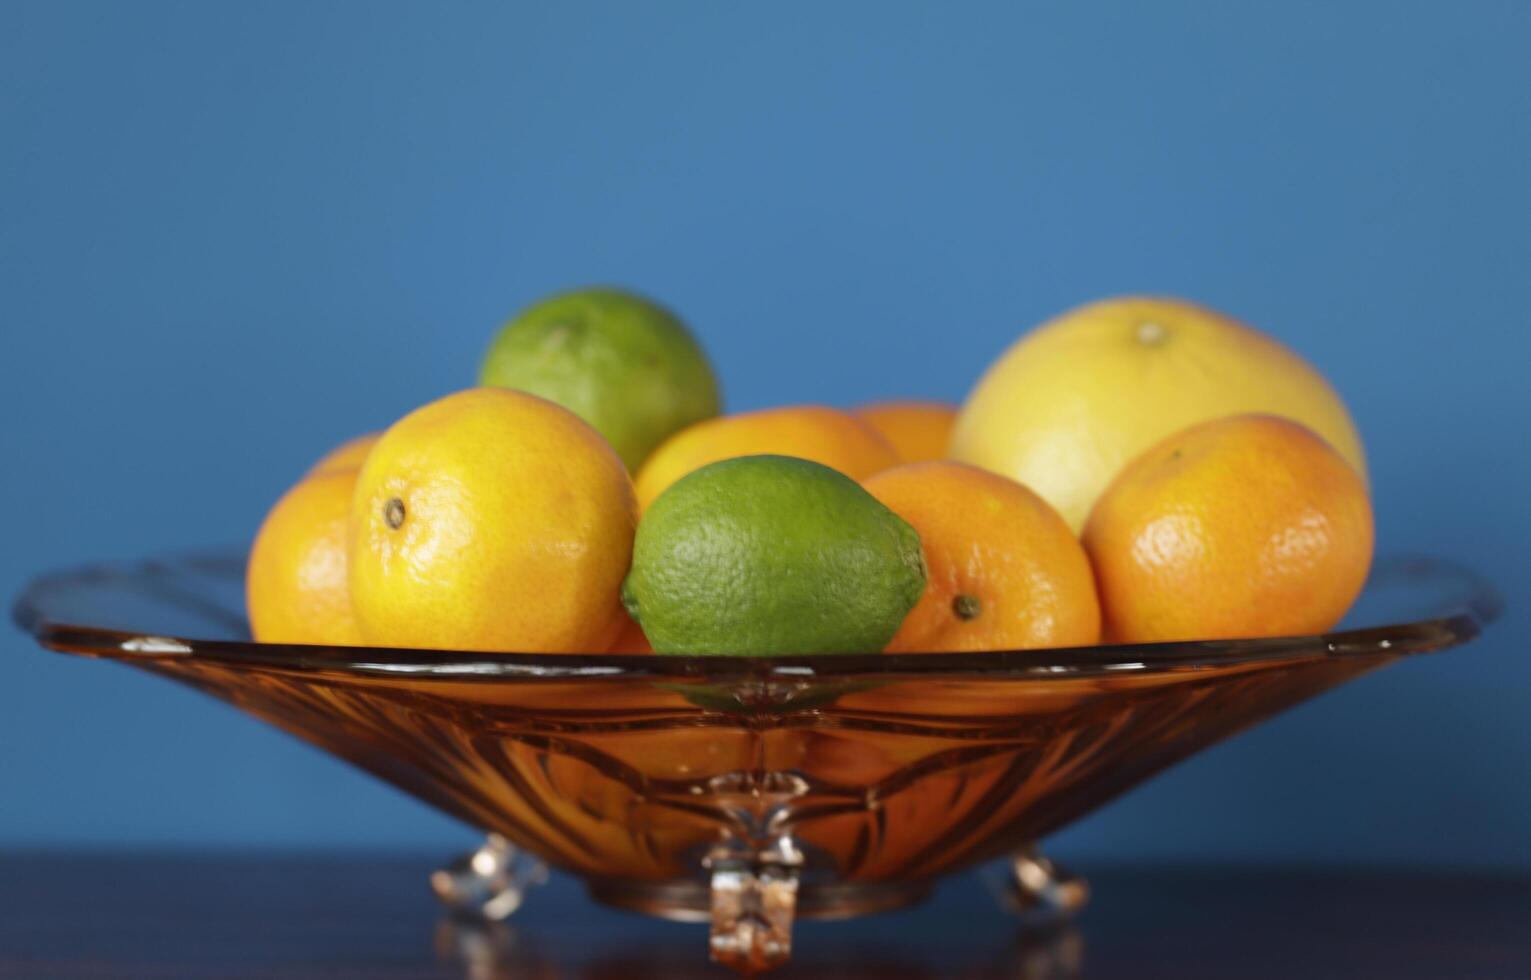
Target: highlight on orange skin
{"type": "Point", "coordinates": [919, 431]}
{"type": "Point", "coordinates": [1005, 571]}
{"type": "Point", "coordinates": [1241, 527]}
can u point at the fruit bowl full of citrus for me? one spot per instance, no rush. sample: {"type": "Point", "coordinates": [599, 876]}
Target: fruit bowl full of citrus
{"type": "Point", "coordinates": [803, 660]}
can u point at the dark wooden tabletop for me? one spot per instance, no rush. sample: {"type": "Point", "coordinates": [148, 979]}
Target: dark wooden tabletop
{"type": "Point", "coordinates": [216, 916]}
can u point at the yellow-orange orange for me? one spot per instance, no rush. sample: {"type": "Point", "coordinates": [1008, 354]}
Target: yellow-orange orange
{"type": "Point", "coordinates": [824, 435]}
{"type": "Point", "coordinates": [491, 520]}
{"type": "Point", "coordinates": [295, 582]}
{"type": "Point", "coordinates": [918, 431]}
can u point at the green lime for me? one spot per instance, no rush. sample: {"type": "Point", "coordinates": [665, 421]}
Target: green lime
{"type": "Point", "coordinates": [624, 364]}
{"type": "Point", "coordinates": [771, 555]}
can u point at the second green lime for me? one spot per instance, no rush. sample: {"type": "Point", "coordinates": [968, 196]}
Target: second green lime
{"type": "Point", "coordinates": [771, 555]}
{"type": "Point", "coordinates": [621, 362]}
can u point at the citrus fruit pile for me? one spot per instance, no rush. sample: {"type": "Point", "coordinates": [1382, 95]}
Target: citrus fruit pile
{"type": "Point", "coordinates": [1135, 470]}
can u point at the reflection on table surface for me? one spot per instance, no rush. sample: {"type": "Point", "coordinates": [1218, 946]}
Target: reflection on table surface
{"type": "Point", "coordinates": [500, 951]}
{"type": "Point", "coordinates": [66, 915]}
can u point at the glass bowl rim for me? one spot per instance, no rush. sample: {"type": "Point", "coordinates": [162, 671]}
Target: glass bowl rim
{"type": "Point", "coordinates": [1480, 606]}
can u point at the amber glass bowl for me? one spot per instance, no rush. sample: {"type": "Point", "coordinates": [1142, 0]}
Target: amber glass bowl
{"type": "Point", "coordinates": [744, 791]}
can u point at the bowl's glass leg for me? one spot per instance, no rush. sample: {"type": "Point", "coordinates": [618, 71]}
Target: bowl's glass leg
{"type": "Point", "coordinates": [754, 898]}
{"type": "Point", "coordinates": [1042, 892]}
{"type": "Point", "coordinates": [489, 883]}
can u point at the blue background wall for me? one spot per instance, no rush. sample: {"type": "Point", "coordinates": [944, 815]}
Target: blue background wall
{"type": "Point", "coordinates": [233, 234]}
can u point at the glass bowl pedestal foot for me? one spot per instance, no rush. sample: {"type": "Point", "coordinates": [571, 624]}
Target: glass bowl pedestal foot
{"type": "Point", "coordinates": [488, 884]}
{"type": "Point", "coordinates": [752, 895]}
{"type": "Point", "coordinates": [1041, 892]}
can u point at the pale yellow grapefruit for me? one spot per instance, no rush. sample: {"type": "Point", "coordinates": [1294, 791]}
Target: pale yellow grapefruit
{"type": "Point", "coordinates": [1074, 401]}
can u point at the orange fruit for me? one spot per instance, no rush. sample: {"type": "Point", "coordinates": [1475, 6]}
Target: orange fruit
{"type": "Point", "coordinates": [1077, 399]}
{"type": "Point", "coordinates": [295, 582]}
{"type": "Point", "coordinates": [1006, 573]}
{"type": "Point", "coordinates": [824, 435]}
{"type": "Point", "coordinates": [631, 639]}
{"type": "Point", "coordinates": [1239, 527]}
{"type": "Point", "coordinates": [491, 520]}
{"type": "Point", "coordinates": [349, 455]}
{"type": "Point", "coordinates": [917, 431]}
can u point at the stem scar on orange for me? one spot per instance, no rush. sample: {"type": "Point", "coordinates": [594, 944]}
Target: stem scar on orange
{"type": "Point", "coordinates": [1240, 527]}
{"type": "Point", "coordinates": [491, 520]}
{"type": "Point", "coordinates": [1006, 573]}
